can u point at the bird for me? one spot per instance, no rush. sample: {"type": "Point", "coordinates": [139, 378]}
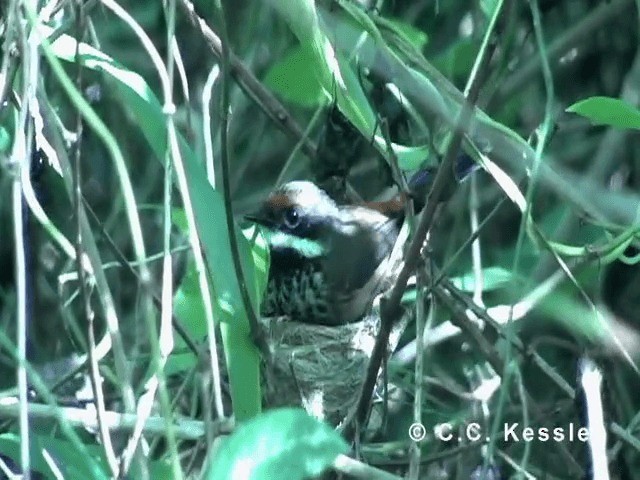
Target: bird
{"type": "Point", "coordinates": [328, 261]}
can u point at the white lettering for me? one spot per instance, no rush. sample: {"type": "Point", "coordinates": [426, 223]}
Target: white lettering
{"type": "Point", "coordinates": [473, 432]}
{"type": "Point", "coordinates": [443, 432]}
{"type": "Point", "coordinates": [510, 432]}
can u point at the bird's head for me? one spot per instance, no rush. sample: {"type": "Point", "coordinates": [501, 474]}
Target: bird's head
{"type": "Point", "coordinates": [298, 215]}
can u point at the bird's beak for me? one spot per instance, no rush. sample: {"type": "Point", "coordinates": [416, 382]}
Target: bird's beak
{"type": "Point", "coordinates": [258, 217]}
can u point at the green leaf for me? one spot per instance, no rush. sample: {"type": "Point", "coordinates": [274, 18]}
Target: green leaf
{"type": "Point", "coordinates": [179, 219]}
{"type": "Point", "coordinates": [285, 443]}
{"type": "Point", "coordinates": [411, 34]}
{"type": "Point", "coordinates": [493, 278]}
{"type": "Point", "coordinates": [188, 309]}
{"type": "Point", "coordinates": [71, 463]}
{"type": "Point", "coordinates": [335, 75]}
{"type": "Point", "coordinates": [412, 158]}
{"type": "Point", "coordinates": [5, 139]}
{"type": "Point", "coordinates": [607, 111]}
{"type": "Point", "coordinates": [457, 60]}
{"type": "Point", "coordinates": [488, 7]}
{"type": "Point", "coordinates": [243, 361]}
{"type": "Point", "coordinates": [294, 81]}
{"type": "Point", "coordinates": [260, 254]}
{"type": "Point", "coordinates": [302, 18]}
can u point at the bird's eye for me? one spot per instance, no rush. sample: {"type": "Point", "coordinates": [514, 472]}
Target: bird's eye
{"type": "Point", "coordinates": [291, 218]}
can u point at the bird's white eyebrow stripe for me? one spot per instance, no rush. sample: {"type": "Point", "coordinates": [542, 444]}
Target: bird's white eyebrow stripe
{"type": "Point", "coordinates": [306, 247]}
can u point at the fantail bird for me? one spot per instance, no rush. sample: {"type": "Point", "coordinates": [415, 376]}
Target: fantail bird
{"type": "Point", "coordinates": [327, 260]}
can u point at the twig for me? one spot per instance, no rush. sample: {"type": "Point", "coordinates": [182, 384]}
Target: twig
{"type": "Point", "coordinates": [20, 155]}
{"type": "Point", "coordinates": [185, 428]}
{"type": "Point", "coordinates": [481, 313]}
{"type": "Point", "coordinates": [94, 372]}
{"type": "Point", "coordinates": [390, 309]}
{"type": "Point", "coordinates": [355, 469]}
{"type": "Point", "coordinates": [470, 329]}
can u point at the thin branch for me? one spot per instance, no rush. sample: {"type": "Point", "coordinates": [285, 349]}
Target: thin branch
{"type": "Point", "coordinates": [94, 372]}
{"type": "Point", "coordinates": [185, 428]}
{"type": "Point", "coordinates": [20, 157]}
{"type": "Point", "coordinates": [390, 309]}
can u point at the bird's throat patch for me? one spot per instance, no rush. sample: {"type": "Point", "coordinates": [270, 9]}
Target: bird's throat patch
{"type": "Point", "coordinates": [304, 246]}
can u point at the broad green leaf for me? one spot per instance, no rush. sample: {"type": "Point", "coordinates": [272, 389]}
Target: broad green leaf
{"type": "Point", "coordinates": [294, 81]}
{"type": "Point", "coordinates": [355, 105]}
{"type": "Point", "coordinates": [412, 158]}
{"type": "Point", "coordinates": [607, 111]}
{"type": "Point", "coordinates": [332, 69]}
{"type": "Point", "coordinates": [302, 18]}
{"type": "Point", "coordinates": [188, 306]}
{"type": "Point", "coordinates": [242, 357]}
{"type": "Point", "coordinates": [285, 443]}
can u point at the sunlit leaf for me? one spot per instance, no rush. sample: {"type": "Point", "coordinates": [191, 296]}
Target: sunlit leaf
{"type": "Point", "coordinates": [293, 80]}
{"type": "Point", "coordinates": [493, 278]}
{"type": "Point", "coordinates": [286, 443]}
{"type": "Point", "coordinates": [607, 111]}
{"type": "Point", "coordinates": [411, 34]}
{"type": "Point", "coordinates": [488, 7]}
{"type": "Point", "coordinates": [5, 140]}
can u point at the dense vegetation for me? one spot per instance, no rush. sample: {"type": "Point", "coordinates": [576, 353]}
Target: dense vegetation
{"type": "Point", "coordinates": [134, 137]}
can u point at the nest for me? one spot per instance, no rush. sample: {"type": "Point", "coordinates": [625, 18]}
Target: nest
{"type": "Point", "coordinates": [320, 368]}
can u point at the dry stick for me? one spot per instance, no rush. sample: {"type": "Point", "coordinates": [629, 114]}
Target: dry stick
{"type": "Point", "coordinates": [390, 309]}
{"type": "Point", "coordinates": [250, 84]}
{"type": "Point", "coordinates": [471, 331]}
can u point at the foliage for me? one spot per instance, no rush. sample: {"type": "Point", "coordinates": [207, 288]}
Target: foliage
{"type": "Point", "coordinates": [607, 111]}
{"type": "Point", "coordinates": [284, 443]}
{"type": "Point", "coordinates": [112, 142]}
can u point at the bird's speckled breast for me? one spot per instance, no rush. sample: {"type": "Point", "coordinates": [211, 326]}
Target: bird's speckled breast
{"type": "Point", "coordinates": [297, 289]}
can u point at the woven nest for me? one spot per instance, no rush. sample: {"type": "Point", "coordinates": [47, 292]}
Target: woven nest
{"type": "Point", "coordinates": [318, 367]}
